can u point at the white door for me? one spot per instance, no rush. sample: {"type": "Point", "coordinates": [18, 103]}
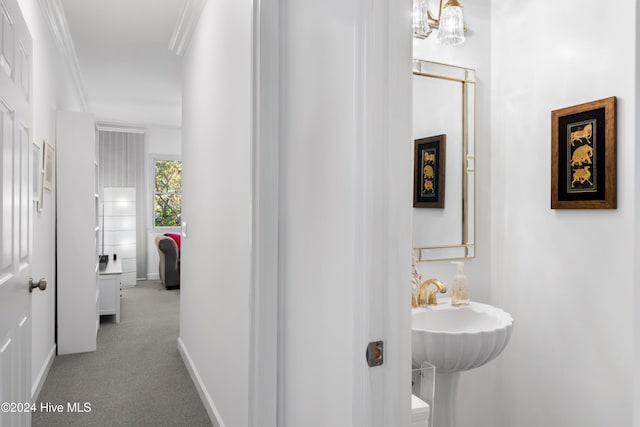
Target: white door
{"type": "Point", "coordinates": [15, 213]}
{"type": "Point", "coordinates": [338, 273]}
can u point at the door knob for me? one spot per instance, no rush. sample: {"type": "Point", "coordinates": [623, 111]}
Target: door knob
{"type": "Point", "coordinates": [41, 284]}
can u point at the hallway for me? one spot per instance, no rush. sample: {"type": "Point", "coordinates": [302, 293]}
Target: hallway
{"type": "Point", "coordinates": [135, 378]}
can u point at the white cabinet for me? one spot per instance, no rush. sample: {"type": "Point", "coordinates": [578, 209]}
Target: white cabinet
{"type": "Point", "coordinates": [110, 284]}
{"type": "Point", "coordinates": [77, 263]}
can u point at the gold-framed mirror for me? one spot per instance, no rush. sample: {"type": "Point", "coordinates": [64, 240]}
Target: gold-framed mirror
{"type": "Point", "coordinates": [444, 103]}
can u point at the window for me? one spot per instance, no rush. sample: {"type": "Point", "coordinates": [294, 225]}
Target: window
{"type": "Point", "coordinates": [167, 207]}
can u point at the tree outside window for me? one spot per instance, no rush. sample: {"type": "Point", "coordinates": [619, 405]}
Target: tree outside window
{"type": "Point", "coordinates": [168, 193]}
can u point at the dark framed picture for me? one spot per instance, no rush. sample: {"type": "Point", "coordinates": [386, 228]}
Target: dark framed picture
{"type": "Point", "coordinates": [583, 156]}
{"type": "Point", "coordinates": [429, 173]}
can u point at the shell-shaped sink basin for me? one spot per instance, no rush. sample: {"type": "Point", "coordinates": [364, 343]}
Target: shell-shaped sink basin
{"type": "Point", "coordinates": [455, 339]}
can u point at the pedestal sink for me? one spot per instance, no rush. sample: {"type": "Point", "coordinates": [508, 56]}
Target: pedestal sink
{"type": "Point", "coordinates": [456, 339]}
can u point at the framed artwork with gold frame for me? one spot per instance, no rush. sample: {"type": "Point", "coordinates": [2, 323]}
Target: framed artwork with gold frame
{"type": "Point", "coordinates": [429, 173]}
{"type": "Point", "coordinates": [583, 156]}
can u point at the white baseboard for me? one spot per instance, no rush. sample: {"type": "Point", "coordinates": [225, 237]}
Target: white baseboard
{"type": "Point", "coordinates": [213, 412]}
{"type": "Point", "coordinates": [42, 375]}
{"type": "Point", "coordinates": [153, 276]}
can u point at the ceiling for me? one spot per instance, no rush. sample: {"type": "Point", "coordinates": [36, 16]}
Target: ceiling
{"type": "Point", "coordinates": [130, 76]}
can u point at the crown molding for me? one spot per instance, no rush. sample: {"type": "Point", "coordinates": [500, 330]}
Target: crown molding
{"type": "Point", "coordinates": [54, 14]}
{"type": "Point", "coordinates": [118, 127]}
{"type": "Point", "coordinates": [185, 25]}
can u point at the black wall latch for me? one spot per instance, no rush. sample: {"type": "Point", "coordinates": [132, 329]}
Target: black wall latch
{"type": "Point", "coordinates": [375, 353]}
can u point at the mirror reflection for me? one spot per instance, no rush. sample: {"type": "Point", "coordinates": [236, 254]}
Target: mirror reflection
{"type": "Point", "coordinates": [444, 150]}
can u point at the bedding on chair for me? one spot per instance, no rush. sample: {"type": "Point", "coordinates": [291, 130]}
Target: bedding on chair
{"type": "Point", "coordinates": [175, 237]}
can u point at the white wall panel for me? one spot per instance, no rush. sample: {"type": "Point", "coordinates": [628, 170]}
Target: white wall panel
{"type": "Point", "coordinates": [565, 275]}
{"type": "Point", "coordinates": [216, 255]}
{"type": "Point", "coordinates": [76, 235]}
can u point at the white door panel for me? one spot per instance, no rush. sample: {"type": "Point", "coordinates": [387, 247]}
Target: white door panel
{"type": "Point", "coordinates": [6, 377]}
{"type": "Point", "coordinates": [6, 218]}
{"type": "Point", "coordinates": [24, 195]}
{"type": "Point", "coordinates": [15, 213]}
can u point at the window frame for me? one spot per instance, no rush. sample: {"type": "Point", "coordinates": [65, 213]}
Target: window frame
{"type": "Point", "coordinates": [152, 186]}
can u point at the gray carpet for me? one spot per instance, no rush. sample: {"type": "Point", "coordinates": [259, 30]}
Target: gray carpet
{"type": "Point", "coordinates": [135, 378]}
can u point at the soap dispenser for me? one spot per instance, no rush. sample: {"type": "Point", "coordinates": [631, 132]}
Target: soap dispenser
{"type": "Point", "coordinates": [459, 295]}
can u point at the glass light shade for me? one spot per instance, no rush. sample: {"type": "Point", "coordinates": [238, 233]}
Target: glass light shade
{"type": "Point", "coordinates": [420, 25]}
{"type": "Point", "coordinates": [451, 30]}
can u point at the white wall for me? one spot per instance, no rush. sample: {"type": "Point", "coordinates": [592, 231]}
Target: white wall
{"type": "Point", "coordinates": [164, 141]}
{"type": "Point", "coordinates": [51, 90]}
{"type": "Point", "coordinates": [565, 275]}
{"type": "Point", "coordinates": [216, 255]}
{"type": "Point", "coordinates": [571, 348]}
{"type": "Point", "coordinates": [161, 142]}
{"type": "Point", "coordinates": [77, 309]}
{"type": "Point", "coordinates": [475, 407]}
{"type": "Point", "coordinates": [636, 381]}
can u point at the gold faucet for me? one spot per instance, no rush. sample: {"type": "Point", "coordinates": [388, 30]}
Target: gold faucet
{"type": "Point", "coordinates": [431, 299]}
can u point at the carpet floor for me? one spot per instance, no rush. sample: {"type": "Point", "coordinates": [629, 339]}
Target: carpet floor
{"type": "Point", "coordinates": [135, 378]}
